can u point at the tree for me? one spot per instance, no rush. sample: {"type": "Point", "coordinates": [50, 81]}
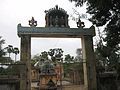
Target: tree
{"type": "Point", "coordinates": [68, 64]}
{"type": "Point", "coordinates": [105, 12]}
{"type": "Point", "coordinates": [69, 59]}
{"type": "Point", "coordinates": [73, 71]}
{"type": "Point", "coordinates": [2, 52]}
{"type": "Point", "coordinates": [3, 58]}
{"type": "Point", "coordinates": [10, 49]}
{"type": "Point", "coordinates": [44, 55]}
{"type": "Point", "coordinates": [56, 54]}
{"type": "Point", "coordinates": [2, 41]}
{"type": "Point", "coordinates": [35, 59]}
{"type": "Point", "coordinates": [15, 51]}
{"type": "Point", "coordinates": [39, 58]}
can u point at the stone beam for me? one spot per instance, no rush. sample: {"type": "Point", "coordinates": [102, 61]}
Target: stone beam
{"type": "Point", "coordinates": [53, 32]}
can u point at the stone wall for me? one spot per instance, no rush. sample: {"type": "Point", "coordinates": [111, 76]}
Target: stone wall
{"type": "Point", "coordinates": [73, 87]}
{"type": "Point", "coordinates": [8, 87]}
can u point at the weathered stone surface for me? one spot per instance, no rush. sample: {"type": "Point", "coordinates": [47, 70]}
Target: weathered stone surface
{"type": "Point", "coordinates": [55, 32]}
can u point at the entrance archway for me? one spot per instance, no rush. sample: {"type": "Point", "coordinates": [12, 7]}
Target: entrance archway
{"type": "Point", "coordinates": [57, 27]}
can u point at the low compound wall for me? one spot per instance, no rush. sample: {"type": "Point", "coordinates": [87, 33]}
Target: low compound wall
{"type": "Point", "coordinates": [73, 87]}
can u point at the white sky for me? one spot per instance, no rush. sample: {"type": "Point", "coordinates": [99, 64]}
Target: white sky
{"type": "Point", "coordinates": [13, 12]}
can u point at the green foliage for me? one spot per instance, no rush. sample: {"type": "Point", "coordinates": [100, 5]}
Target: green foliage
{"type": "Point", "coordinates": [71, 68]}
{"type": "Point", "coordinates": [15, 50]}
{"type": "Point", "coordinates": [68, 64]}
{"type": "Point", "coordinates": [39, 58]}
{"type": "Point", "coordinates": [35, 59]}
{"type": "Point", "coordinates": [9, 49]}
{"type": "Point", "coordinates": [107, 58]}
{"type": "Point", "coordinates": [4, 60]}
{"type": "Point", "coordinates": [68, 59]}
{"type": "Point", "coordinates": [105, 12]}
{"type": "Point", "coordinates": [8, 69]}
{"type": "Point", "coordinates": [54, 54]}
{"type": "Point", "coordinates": [2, 52]}
{"type": "Point", "coordinates": [44, 55]}
{"type": "Point", "coordinates": [4, 68]}
{"type": "Point", "coordinates": [78, 2]}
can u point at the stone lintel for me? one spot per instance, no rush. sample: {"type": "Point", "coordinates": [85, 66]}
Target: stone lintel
{"type": "Point", "coordinates": [55, 32]}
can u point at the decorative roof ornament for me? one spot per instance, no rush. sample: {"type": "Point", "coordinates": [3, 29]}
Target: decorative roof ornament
{"type": "Point", "coordinates": [80, 24]}
{"type": "Point", "coordinates": [32, 22]}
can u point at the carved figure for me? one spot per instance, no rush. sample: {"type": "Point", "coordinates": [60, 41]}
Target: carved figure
{"type": "Point", "coordinates": [56, 21]}
{"type": "Point", "coordinates": [51, 21]}
{"type": "Point", "coordinates": [62, 22]}
{"type": "Point", "coordinates": [46, 19]}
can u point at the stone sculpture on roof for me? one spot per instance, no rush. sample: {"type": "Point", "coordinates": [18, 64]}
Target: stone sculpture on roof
{"type": "Point", "coordinates": [56, 17]}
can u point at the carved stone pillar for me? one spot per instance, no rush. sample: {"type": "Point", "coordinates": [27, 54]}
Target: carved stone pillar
{"type": "Point", "coordinates": [25, 83]}
{"type": "Point", "coordinates": [89, 63]}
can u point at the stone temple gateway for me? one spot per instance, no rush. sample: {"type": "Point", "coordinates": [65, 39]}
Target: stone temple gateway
{"type": "Point", "coordinates": [57, 27]}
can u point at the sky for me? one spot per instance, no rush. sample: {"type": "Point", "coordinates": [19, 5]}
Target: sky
{"type": "Point", "coordinates": [13, 12]}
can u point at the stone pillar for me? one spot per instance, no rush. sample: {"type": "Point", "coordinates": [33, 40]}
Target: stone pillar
{"type": "Point", "coordinates": [25, 83]}
{"type": "Point", "coordinates": [89, 63]}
